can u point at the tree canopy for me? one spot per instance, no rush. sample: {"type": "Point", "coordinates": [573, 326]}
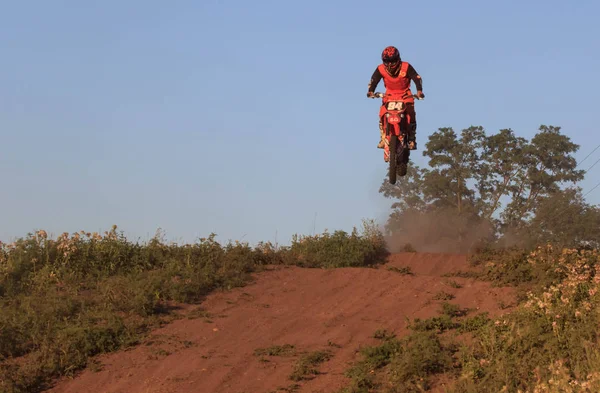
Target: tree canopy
{"type": "Point", "coordinates": [501, 187]}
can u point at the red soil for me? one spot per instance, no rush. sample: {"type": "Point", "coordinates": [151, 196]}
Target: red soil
{"type": "Point", "coordinates": [308, 308]}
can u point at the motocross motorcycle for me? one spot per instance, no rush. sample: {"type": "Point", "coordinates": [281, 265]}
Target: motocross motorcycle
{"type": "Point", "coordinates": [395, 126]}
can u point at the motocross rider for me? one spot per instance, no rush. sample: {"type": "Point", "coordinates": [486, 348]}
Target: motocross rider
{"type": "Point", "coordinates": [397, 75]}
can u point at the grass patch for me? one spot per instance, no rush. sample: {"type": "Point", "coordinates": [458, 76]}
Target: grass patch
{"type": "Point", "coordinates": [439, 324]}
{"type": "Point", "coordinates": [307, 367]}
{"type": "Point", "coordinates": [383, 334]}
{"type": "Point", "coordinates": [199, 312]}
{"type": "Point", "coordinates": [452, 283]}
{"type": "Point", "coordinates": [443, 295]}
{"type": "Point", "coordinates": [453, 310]}
{"type": "Point", "coordinates": [463, 274]}
{"type": "Point", "coordinates": [276, 350]}
{"type": "Point", "coordinates": [288, 389]}
{"type": "Point", "coordinates": [406, 270]}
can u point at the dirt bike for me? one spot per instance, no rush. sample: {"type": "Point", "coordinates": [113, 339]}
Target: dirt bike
{"type": "Point", "coordinates": [396, 152]}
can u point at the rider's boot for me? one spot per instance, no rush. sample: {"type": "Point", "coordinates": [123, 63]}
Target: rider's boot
{"type": "Point", "coordinates": [381, 144]}
{"type": "Point", "coordinates": [412, 136]}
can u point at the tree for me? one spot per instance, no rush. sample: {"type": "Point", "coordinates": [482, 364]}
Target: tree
{"type": "Point", "coordinates": [502, 164]}
{"type": "Point", "coordinates": [408, 190]}
{"type": "Point", "coordinates": [547, 163]}
{"type": "Point", "coordinates": [454, 161]}
{"type": "Point", "coordinates": [564, 218]}
{"type": "Point", "coordinates": [436, 205]}
{"type": "Point", "coordinates": [492, 183]}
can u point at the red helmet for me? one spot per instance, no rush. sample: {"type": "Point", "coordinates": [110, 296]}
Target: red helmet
{"type": "Point", "coordinates": [391, 58]}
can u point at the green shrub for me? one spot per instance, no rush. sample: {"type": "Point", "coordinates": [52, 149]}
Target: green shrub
{"type": "Point", "coordinates": [452, 310]}
{"type": "Point", "coordinates": [410, 362]}
{"type": "Point", "coordinates": [307, 366]}
{"type": "Point", "coordinates": [550, 343]}
{"type": "Point", "coordinates": [423, 357]}
{"type": "Point", "coordinates": [475, 323]}
{"type": "Point", "coordinates": [440, 324]}
{"type": "Point", "coordinates": [339, 249]}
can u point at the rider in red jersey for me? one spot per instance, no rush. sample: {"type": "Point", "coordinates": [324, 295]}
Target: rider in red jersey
{"type": "Point", "coordinates": [397, 75]}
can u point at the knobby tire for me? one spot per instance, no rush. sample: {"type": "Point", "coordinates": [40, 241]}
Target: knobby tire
{"type": "Point", "coordinates": [393, 146]}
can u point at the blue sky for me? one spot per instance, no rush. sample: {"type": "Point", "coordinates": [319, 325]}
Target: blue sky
{"type": "Point", "coordinates": [248, 119]}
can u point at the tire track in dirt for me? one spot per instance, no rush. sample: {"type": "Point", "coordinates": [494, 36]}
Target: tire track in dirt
{"type": "Point", "coordinates": [312, 309]}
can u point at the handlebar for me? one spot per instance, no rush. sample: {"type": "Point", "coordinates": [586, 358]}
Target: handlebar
{"type": "Point", "coordinates": [381, 95]}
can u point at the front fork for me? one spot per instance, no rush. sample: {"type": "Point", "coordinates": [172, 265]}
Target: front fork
{"type": "Point", "coordinates": [386, 129]}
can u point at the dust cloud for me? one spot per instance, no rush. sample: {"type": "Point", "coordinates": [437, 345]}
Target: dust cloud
{"type": "Point", "coordinates": [440, 231]}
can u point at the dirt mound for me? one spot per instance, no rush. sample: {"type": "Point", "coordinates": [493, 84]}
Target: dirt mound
{"type": "Point", "coordinates": [300, 310]}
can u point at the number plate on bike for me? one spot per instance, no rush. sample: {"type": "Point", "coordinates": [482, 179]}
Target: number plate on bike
{"type": "Point", "coordinates": [393, 119]}
{"type": "Point", "coordinates": [395, 105]}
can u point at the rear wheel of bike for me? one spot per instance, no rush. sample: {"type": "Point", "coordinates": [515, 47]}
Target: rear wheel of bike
{"type": "Point", "coordinates": [402, 169]}
{"type": "Point", "coordinates": [393, 157]}
{"type": "Point", "coordinates": [403, 161]}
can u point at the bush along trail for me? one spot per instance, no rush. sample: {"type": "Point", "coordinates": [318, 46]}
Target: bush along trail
{"type": "Point", "coordinates": [66, 300]}
{"type": "Point", "coordinates": [548, 343]}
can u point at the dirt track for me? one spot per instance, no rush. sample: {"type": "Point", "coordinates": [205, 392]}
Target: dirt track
{"type": "Point", "coordinates": [308, 308]}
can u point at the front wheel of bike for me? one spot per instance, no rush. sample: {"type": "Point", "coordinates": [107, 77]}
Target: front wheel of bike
{"type": "Point", "coordinates": [393, 146]}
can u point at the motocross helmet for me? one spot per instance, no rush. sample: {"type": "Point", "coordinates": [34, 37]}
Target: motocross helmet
{"type": "Point", "coordinates": [391, 59]}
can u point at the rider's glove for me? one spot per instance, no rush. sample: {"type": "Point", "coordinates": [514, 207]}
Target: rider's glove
{"type": "Point", "coordinates": [420, 94]}
{"type": "Point", "coordinates": [370, 94]}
